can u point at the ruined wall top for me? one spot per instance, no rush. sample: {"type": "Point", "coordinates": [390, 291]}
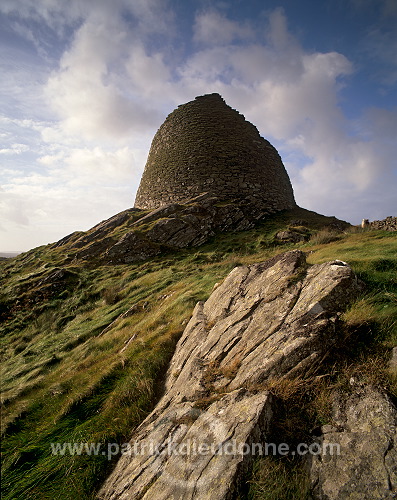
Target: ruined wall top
{"type": "Point", "coordinates": [206, 146]}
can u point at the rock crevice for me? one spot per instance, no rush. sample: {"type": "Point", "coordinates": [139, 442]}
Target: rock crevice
{"type": "Point", "coordinates": [215, 390]}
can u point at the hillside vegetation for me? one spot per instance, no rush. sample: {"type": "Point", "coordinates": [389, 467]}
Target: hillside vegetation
{"type": "Point", "coordinates": [85, 347]}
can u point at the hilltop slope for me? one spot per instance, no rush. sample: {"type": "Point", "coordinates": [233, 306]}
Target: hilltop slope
{"type": "Point", "coordinates": [86, 340]}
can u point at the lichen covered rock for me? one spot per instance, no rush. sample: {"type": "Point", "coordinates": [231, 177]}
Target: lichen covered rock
{"type": "Point", "coordinates": [364, 428]}
{"type": "Point", "coordinates": [268, 320]}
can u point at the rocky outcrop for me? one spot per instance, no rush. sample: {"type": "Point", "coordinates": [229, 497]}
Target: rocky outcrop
{"type": "Point", "coordinates": [363, 436]}
{"type": "Point", "coordinates": [172, 227]}
{"type": "Point", "coordinates": [39, 287]}
{"type": "Point", "coordinates": [293, 235]}
{"type": "Point", "coordinates": [267, 321]}
{"type": "Point", "coordinates": [177, 226]}
{"type": "Point", "coordinates": [136, 235]}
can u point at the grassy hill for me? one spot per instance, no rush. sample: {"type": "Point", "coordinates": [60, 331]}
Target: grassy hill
{"type": "Point", "coordinates": [85, 347]}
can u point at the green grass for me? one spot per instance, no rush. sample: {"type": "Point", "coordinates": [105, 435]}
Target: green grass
{"type": "Point", "coordinates": [370, 326]}
{"type": "Point", "coordinates": [275, 479]}
{"type": "Point", "coordinates": [74, 370]}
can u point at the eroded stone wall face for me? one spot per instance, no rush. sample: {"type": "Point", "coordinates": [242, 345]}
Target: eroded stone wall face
{"type": "Point", "coordinates": [206, 146]}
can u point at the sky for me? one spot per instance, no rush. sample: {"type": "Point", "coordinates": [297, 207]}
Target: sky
{"type": "Point", "coordinates": [85, 84]}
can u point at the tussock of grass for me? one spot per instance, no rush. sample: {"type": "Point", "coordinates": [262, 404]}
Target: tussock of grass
{"type": "Point", "coordinates": [363, 311]}
{"type": "Point", "coordinates": [325, 236]}
{"type": "Point", "coordinates": [111, 295]}
{"type": "Point", "coordinates": [370, 334]}
{"type": "Point", "coordinates": [276, 479]}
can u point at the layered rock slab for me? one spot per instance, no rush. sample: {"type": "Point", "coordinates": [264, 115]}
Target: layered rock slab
{"type": "Point", "coordinates": [168, 228]}
{"type": "Point", "coordinates": [269, 320]}
{"type": "Point", "coordinates": [136, 235]}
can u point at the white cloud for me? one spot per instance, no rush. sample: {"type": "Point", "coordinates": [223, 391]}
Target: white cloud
{"type": "Point", "coordinates": [292, 97]}
{"type": "Point", "coordinates": [148, 73]}
{"type": "Point", "coordinates": [15, 149]}
{"type": "Point", "coordinates": [119, 76]}
{"type": "Point", "coordinates": [99, 91]}
{"type": "Point", "coordinates": [278, 34]}
{"type": "Point", "coordinates": [73, 191]}
{"type": "Point", "coordinates": [213, 28]}
{"type": "Point", "coordinates": [91, 167]}
{"type": "Point", "coordinates": [145, 16]}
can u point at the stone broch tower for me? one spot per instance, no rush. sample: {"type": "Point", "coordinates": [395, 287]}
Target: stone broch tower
{"type": "Point", "coordinates": [206, 146]}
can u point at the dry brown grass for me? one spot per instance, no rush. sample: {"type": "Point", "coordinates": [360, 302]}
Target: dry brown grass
{"type": "Point", "coordinates": [111, 295]}
{"type": "Point", "coordinates": [230, 370]}
{"type": "Point", "coordinates": [325, 236]}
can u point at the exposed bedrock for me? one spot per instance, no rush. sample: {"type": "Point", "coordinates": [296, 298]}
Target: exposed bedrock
{"type": "Point", "coordinates": [269, 320]}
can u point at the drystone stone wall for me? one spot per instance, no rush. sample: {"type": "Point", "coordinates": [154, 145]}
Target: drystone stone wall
{"type": "Point", "coordinates": [205, 146]}
{"type": "Point", "coordinates": [388, 224]}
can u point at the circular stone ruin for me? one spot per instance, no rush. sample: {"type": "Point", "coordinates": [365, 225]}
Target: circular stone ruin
{"type": "Point", "coordinates": [205, 146]}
